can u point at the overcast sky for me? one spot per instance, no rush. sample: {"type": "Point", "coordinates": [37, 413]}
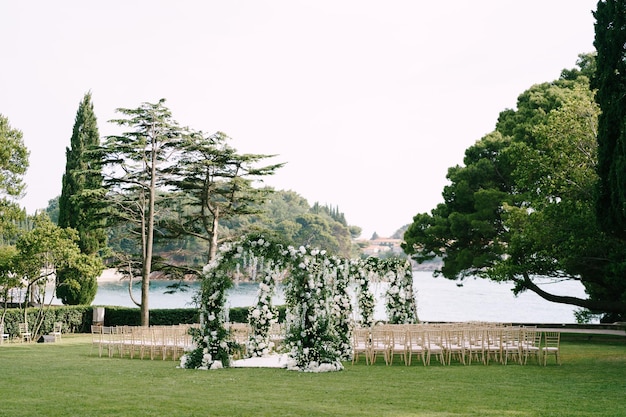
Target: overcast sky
{"type": "Point", "coordinates": [368, 102]}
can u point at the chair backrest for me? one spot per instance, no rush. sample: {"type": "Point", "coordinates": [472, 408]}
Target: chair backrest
{"type": "Point", "coordinates": [551, 339]}
{"type": "Point", "coordinates": [239, 332]}
{"type": "Point", "coordinates": [23, 328]}
{"type": "Point", "coordinates": [360, 338]}
{"type": "Point", "coordinates": [380, 338]}
{"type": "Point", "coordinates": [96, 333]}
{"type": "Point", "coordinates": [531, 337]}
{"type": "Point", "coordinates": [415, 340]}
{"type": "Point", "coordinates": [433, 338]}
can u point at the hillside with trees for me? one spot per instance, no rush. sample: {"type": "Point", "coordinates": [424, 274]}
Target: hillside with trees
{"type": "Point", "coordinates": [286, 215]}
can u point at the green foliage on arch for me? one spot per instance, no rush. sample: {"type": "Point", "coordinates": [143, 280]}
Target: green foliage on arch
{"type": "Point", "coordinates": [319, 308]}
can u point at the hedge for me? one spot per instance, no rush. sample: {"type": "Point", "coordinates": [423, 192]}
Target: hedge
{"type": "Point", "coordinates": [78, 319]}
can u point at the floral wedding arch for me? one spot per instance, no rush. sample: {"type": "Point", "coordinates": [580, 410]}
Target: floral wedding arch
{"type": "Point", "coordinates": [319, 308]}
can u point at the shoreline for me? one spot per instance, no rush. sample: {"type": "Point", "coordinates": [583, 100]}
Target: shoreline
{"type": "Point", "coordinates": [110, 275]}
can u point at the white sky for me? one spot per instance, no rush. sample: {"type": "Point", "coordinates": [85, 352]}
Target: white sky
{"type": "Point", "coordinates": [368, 102]}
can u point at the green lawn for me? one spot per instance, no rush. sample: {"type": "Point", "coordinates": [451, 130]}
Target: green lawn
{"type": "Point", "coordinates": [66, 379]}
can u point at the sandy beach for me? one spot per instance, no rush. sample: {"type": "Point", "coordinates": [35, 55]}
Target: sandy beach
{"type": "Point", "coordinates": [110, 275]}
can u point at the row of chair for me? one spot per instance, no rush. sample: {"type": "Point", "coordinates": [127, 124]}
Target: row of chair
{"type": "Point", "coordinates": [25, 335]}
{"type": "Point", "coordinates": [462, 343]}
{"type": "Point", "coordinates": [141, 341]}
{"type": "Point", "coordinates": [165, 341]}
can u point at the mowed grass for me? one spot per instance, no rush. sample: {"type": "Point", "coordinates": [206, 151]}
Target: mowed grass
{"type": "Point", "coordinates": [69, 379]}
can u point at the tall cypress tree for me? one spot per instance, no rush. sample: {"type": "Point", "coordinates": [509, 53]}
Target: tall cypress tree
{"type": "Point", "coordinates": [82, 182]}
{"type": "Point", "coordinates": [610, 82]}
{"type": "Point", "coordinates": [79, 204]}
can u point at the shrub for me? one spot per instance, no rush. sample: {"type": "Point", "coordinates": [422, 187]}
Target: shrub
{"type": "Point", "coordinates": [78, 319]}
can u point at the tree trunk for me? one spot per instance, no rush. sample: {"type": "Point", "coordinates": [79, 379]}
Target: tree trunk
{"type": "Point", "coordinates": [213, 241]}
{"type": "Point", "coordinates": [147, 259]}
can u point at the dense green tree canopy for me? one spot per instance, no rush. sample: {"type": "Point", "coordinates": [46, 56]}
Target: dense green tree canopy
{"type": "Point", "coordinates": [13, 160]}
{"type": "Point", "coordinates": [45, 249]}
{"type": "Point", "coordinates": [610, 81]}
{"type": "Point", "coordinates": [522, 205]}
{"type": "Point", "coordinates": [8, 278]}
{"type": "Point", "coordinates": [13, 166]}
{"type": "Point", "coordinates": [289, 216]}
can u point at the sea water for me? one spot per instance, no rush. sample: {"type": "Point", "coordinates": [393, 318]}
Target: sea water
{"type": "Point", "coordinates": [438, 299]}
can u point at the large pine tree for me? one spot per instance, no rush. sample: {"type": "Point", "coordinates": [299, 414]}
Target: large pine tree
{"type": "Point", "coordinates": [610, 82]}
{"type": "Point", "coordinates": [138, 160]}
{"type": "Point", "coordinates": [79, 204]}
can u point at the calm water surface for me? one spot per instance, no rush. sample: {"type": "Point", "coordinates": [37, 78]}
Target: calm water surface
{"type": "Point", "coordinates": [438, 299]}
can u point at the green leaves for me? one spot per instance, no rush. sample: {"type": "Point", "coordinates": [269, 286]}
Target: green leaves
{"type": "Point", "coordinates": [13, 165]}
{"type": "Point", "coordinates": [610, 81]}
{"type": "Point", "coordinates": [43, 251]}
{"type": "Point", "coordinates": [13, 160]}
{"type": "Point", "coordinates": [80, 203]}
{"type": "Point", "coordinates": [523, 204]}
{"type": "Point", "coordinates": [218, 184]}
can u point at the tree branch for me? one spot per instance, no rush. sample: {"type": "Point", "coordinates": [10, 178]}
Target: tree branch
{"type": "Point", "coordinates": [593, 305]}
